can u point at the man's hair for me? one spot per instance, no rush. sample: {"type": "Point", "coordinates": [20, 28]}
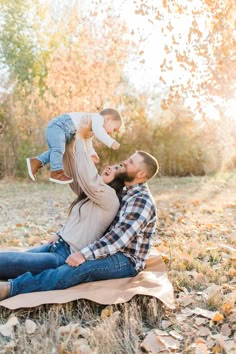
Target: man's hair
{"type": "Point", "coordinates": [113, 113]}
{"type": "Point", "coordinates": [151, 163]}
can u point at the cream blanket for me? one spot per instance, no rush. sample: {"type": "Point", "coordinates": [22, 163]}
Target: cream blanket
{"type": "Point", "coordinates": [152, 281]}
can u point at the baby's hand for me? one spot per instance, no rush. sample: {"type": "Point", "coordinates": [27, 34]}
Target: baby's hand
{"type": "Point", "coordinates": [115, 145]}
{"type": "Point", "coordinates": [95, 158]}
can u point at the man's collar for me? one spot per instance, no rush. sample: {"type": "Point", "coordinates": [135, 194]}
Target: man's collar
{"type": "Point", "coordinates": [134, 186]}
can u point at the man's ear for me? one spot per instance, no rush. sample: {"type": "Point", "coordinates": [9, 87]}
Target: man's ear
{"type": "Point", "coordinates": [142, 174]}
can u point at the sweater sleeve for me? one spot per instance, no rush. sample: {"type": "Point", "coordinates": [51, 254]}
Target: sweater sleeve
{"type": "Point", "coordinates": [100, 132]}
{"type": "Point", "coordinates": [89, 180]}
{"type": "Point", "coordinates": [69, 166]}
{"type": "Point", "coordinates": [89, 147]}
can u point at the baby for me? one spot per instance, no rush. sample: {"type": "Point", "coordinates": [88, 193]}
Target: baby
{"type": "Point", "coordinates": [62, 129]}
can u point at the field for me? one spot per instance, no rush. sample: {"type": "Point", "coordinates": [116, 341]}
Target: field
{"type": "Point", "coordinates": [197, 238]}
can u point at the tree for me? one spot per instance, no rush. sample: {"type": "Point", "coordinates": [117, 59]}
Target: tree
{"type": "Point", "coordinates": [199, 45]}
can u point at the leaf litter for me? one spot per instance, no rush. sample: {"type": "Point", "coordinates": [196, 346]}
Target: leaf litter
{"type": "Point", "coordinates": [196, 237]}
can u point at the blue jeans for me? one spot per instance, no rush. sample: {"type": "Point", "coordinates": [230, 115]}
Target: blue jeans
{"type": "Point", "coordinates": [110, 267]}
{"type": "Point", "coordinates": [36, 260]}
{"type": "Point", "coordinates": [59, 132]}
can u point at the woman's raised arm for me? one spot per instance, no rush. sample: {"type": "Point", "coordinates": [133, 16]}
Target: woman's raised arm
{"type": "Point", "coordinates": [88, 178]}
{"type": "Point", "coordinates": [69, 166]}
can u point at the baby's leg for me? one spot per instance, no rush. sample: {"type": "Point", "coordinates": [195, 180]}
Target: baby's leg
{"type": "Point", "coordinates": [56, 139]}
{"type": "Point", "coordinates": [59, 132]}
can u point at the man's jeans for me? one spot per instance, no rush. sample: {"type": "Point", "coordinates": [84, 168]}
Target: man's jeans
{"type": "Point", "coordinates": [59, 132]}
{"type": "Point", "coordinates": [36, 260]}
{"type": "Point", "coordinates": [110, 267]}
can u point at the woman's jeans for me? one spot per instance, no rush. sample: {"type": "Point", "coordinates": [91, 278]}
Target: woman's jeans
{"type": "Point", "coordinates": [35, 260]}
{"type": "Point", "coordinates": [110, 267]}
{"type": "Point", "coordinates": [59, 132]}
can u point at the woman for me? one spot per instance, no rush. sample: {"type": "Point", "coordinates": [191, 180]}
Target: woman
{"type": "Point", "coordinates": [89, 216]}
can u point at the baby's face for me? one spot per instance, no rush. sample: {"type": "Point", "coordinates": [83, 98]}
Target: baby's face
{"type": "Point", "coordinates": [111, 125]}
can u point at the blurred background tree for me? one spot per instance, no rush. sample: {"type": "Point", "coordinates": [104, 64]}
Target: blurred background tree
{"type": "Point", "coordinates": [73, 56]}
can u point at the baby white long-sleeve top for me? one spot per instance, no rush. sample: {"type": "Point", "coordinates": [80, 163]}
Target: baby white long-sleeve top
{"type": "Point", "coordinates": [97, 121]}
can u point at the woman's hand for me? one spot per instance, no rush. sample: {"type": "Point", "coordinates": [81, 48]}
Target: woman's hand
{"type": "Point", "coordinates": [95, 158]}
{"type": "Point", "coordinates": [75, 259]}
{"type": "Point", "coordinates": [85, 129]}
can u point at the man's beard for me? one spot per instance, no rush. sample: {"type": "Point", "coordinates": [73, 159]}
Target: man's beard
{"type": "Point", "coordinates": [126, 177]}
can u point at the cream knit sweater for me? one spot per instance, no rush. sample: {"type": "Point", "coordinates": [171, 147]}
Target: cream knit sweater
{"type": "Point", "coordinates": [88, 219]}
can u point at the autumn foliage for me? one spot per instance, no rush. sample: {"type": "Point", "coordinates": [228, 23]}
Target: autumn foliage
{"type": "Point", "coordinates": [75, 58]}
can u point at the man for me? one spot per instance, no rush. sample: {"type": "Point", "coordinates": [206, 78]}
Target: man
{"type": "Point", "coordinates": [121, 252]}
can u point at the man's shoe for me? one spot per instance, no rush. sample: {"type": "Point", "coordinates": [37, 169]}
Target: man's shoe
{"type": "Point", "coordinates": [4, 290]}
{"type": "Point", "coordinates": [60, 177]}
{"type": "Point", "coordinates": [33, 166]}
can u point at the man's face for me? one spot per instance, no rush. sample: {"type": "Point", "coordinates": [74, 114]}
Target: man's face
{"type": "Point", "coordinates": [132, 166]}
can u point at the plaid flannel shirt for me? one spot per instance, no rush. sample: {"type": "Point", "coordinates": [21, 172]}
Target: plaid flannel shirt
{"type": "Point", "coordinates": [132, 230]}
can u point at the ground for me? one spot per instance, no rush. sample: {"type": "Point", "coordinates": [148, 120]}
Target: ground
{"type": "Point", "coordinates": [196, 236]}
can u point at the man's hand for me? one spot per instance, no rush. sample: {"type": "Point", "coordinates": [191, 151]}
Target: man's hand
{"type": "Point", "coordinates": [54, 239]}
{"type": "Point", "coordinates": [115, 145]}
{"type": "Point", "coordinates": [75, 259]}
{"type": "Point", "coordinates": [95, 158]}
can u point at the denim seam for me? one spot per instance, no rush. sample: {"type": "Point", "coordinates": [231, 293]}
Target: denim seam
{"type": "Point", "coordinates": [102, 269]}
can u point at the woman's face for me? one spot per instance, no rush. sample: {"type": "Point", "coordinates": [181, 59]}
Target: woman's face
{"type": "Point", "coordinates": [110, 173]}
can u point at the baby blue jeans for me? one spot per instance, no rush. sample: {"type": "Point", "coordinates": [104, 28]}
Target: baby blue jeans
{"type": "Point", "coordinates": [59, 132]}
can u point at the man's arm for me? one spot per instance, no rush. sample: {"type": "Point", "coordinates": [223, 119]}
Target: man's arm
{"type": "Point", "coordinates": [135, 217]}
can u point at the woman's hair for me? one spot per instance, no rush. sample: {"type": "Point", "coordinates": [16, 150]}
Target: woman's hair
{"type": "Point", "coordinates": [117, 184]}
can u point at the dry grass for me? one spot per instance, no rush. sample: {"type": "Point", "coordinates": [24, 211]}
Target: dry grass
{"type": "Point", "coordinates": [196, 221]}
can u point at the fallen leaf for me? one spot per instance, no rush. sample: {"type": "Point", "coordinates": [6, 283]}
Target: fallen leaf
{"type": "Point", "coordinates": [217, 317]}
{"type": "Point", "coordinates": [152, 343]}
{"type": "Point", "coordinates": [200, 340]}
{"type": "Point", "coordinates": [81, 346]}
{"type": "Point", "coordinates": [73, 328]}
{"type": "Point", "coordinates": [30, 326]}
{"type": "Point", "coordinates": [33, 240]}
{"type": "Point", "coordinates": [228, 248]}
{"type": "Point", "coordinates": [170, 342]}
{"type": "Point", "coordinates": [159, 332]}
{"type": "Point", "coordinates": [176, 335]}
{"type": "Point", "coordinates": [201, 348]}
{"type": "Point", "coordinates": [225, 330]}
{"type": "Point", "coordinates": [203, 331]}
{"type": "Point", "coordinates": [165, 324]}
{"type": "Point", "coordinates": [230, 347]}
{"type": "Point", "coordinates": [213, 290]}
{"type": "Point", "coordinates": [200, 278]}
{"type": "Point", "coordinates": [107, 312]}
{"type": "Point", "coordinates": [7, 329]}
{"type": "Point", "coordinates": [216, 349]}
{"type": "Point", "coordinates": [12, 321]}
{"type": "Point", "coordinates": [227, 308]}
{"type": "Point", "coordinates": [199, 321]}
{"type": "Point", "coordinates": [204, 313]}
{"type": "Point", "coordinates": [231, 272]}
{"type": "Point", "coordinates": [186, 300]}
